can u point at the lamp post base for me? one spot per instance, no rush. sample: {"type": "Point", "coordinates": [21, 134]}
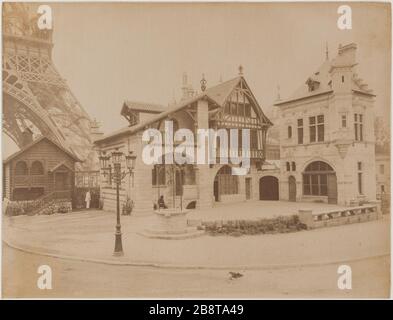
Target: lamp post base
{"type": "Point", "coordinates": [118, 252]}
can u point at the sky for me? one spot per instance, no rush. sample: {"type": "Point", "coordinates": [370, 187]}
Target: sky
{"type": "Point", "coordinates": [109, 53]}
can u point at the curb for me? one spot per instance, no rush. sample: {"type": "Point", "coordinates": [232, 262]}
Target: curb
{"type": "Point", "coordinates": [190, 267]}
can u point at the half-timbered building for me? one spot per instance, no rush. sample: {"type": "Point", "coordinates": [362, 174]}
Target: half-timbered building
{"type": "Point", "coordinates": [227, 105]}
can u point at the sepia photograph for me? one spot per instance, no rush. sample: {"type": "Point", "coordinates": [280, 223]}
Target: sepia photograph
{"type": "Point", "coordinates": [196, 150]}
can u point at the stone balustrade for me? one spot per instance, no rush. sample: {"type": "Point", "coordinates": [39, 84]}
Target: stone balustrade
{"type": "Point", "coordinates": [342, 216]}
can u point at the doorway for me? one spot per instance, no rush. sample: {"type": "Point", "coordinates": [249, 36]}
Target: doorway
{"type": "Point", "coordinates": [61, 181]}
{"type": "Point", "coordinates": [268, 188]}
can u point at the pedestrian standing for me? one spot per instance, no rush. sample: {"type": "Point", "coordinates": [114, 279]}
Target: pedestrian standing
{"type": "Point", "coordinates": [87, 199]}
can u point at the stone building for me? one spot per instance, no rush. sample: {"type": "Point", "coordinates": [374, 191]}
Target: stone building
{"type": "Point", "coordinates": [327, 135]}
{"type": "Point", "coordinates": [229, 104]}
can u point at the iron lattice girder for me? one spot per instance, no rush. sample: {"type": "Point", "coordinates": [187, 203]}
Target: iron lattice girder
{"type": "Point", "coordinates": [14, 111]}
{"type": "Point", "coordinates": [16, 88]}
{"type": "Point", "coordinates": [33, 68]}
{"type": "Point", "coordinates": [32, 79]}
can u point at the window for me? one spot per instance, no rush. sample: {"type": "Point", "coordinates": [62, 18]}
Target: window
{"type": "Point", "coordinates": [293, 166]}
{"type": "Point", "coordinates": [315, 178]}
{"type": "Point", "coordinates": [158, 174]}
{"type": "Point", "coordinates": [382, 188]}
{"type": "Point", "coordinates": [358, 123]}
{"type": "Point", "coordinates": [382, 169]}
{"type": "Point", "coordinates": [289, 132]}
{"type": "Point", "coordinates": [233, 108]}
{"type": "Point", "coordinates": [288, 166]}
{"type": "Point", "coordinates": [300, 131]}
{"type": "Point", "coordinates": [312, 129]}
{"type": "Point", "coordinates": [343, 121]}
{"type": "Point", "coordinates": [253, 139]}
{"type": "Point", "coordinates": [317, 128]}
{"type": "Point", "coordinates": [321, 128]}
{"type": "Point", "coordinates": [21, 168]}
{"type": "Point", "coordinates": [37, 168]}
{"type": "Point", "coordinates": [247, 110]}
{"type": "Point", "coordinates": [360, 178]}
{"type": "Point", "coordinates": [342, 79]}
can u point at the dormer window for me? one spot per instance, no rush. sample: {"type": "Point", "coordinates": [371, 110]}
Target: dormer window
{"type": "Point", "coordinates": [312, 84]}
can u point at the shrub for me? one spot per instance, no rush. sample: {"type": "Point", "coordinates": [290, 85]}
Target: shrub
{"type": "Point", "coordinates": [281, 224]}
{"type": "Point", "coordinates": [49, 210]}
{"type": "Point", "coordinates": [14, 209]}
{"type": "Point", "coordinates": [63, 207]}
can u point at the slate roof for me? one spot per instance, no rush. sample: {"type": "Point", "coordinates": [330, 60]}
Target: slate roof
{"type": "Point", "coordinates": [323, 76]}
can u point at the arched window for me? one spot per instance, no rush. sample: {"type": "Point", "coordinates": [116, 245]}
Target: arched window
{"type": "Point", "coordinates": [289, 132]}
{"type": "Point", "coordinates": [21, 168]}
{"type": "Point", "coordinates": [315, 178]}
{"type": "Point", "coordinates": [37, 168]}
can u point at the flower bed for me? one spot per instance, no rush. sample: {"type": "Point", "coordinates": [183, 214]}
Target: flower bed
{"type": "Point", "coordinates": [30, 207]}
{"type": "Point", "coordinates": [236, 228]}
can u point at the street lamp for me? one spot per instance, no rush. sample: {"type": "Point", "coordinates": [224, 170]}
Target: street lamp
{"type": "Point", "coordinates": [117, 177]}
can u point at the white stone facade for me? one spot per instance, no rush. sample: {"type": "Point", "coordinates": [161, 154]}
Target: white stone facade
{"type": "Point", "coordinates": [336, 93]}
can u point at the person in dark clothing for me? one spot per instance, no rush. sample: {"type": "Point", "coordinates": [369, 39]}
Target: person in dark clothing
{"type": "Point", "coordinates": [161, 203]}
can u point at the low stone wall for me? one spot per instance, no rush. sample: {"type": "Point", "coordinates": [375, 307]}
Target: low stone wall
{"type": "Point", "coordinates": [339, 217]}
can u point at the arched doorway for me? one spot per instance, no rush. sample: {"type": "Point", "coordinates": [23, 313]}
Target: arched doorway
{"type": "Point", "coordinates": [292, 188]}
{"type": "Point", "coordinates": [225, 183]}
{"type": "Point", "coordinates": [319, 179]}
{"type": "Point", "coordinates": [268, 188]}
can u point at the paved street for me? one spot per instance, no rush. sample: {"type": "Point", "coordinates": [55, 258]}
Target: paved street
{"type": "Point", "coordinates": [80, 279]}
{"type": "Point", "coordinates": [293, 265]}
{"type": "Point", "coordinates": [90, 235]}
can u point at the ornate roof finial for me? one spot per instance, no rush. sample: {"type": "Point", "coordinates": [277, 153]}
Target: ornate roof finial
{"type": "Point", "coordinates": [203, 82]}
{"type": "Point", "coordinates": [240, 70]}
{"type": "Point", "coordinates": [327, 51]}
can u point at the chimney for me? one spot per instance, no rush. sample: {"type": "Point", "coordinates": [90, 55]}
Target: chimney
{"type": "Point", "coordinates": [27, 137]}
{"type": "Point", "coordinates": [186, 88]}
{"type": "Point", "coordinates": [346, 55]}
